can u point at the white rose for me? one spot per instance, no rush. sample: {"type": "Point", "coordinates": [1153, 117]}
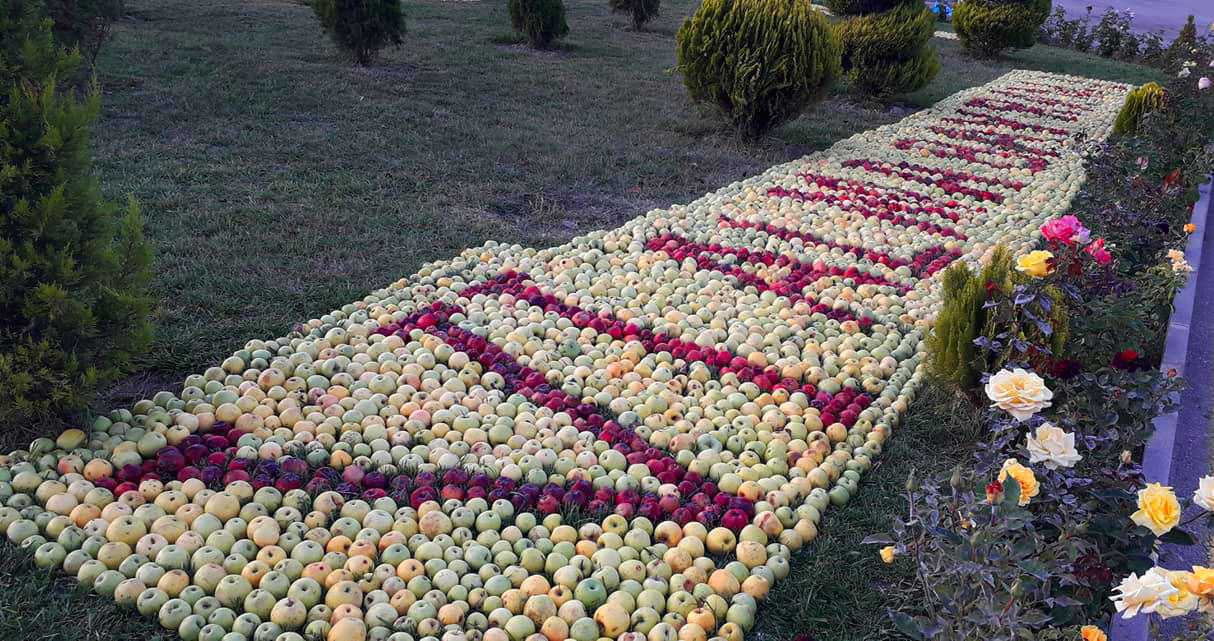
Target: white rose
{"type": "Point", "coordinates": [1019, 393]}
{"type": "Point", "coordinates": [1052, 446]}
{"type": "Point", "coordinates": [1204, 496]}
{"type": "Point", "coordinates": [1143, 593]}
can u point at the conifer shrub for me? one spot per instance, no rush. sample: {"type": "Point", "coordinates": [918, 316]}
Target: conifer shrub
{"type": "Point", "coordinates": [982, 305]}
{"type": "Point", "coordinates": [1181, 49]}
{"type": "Point", "coordinates": [73, 267]}
{"type": "Point", "coordinates": [1138, 103]}
{"type": "Point", "coordinates": [84, 23]}
{"type": "Point", "coordinates": [888, 53]}
{"type": "Point", "coordinates": [641, 11]}
{"type": "Point", "coordinates": [986, 28]}
{"type": "Point", "coordinates": [759, 62]}
{"type": "Point", "coordinates": [540, 22]}
{"type": "Point", "coordinates": [361, 27]}
{"type": "Point", "coordinates": [859, 7]}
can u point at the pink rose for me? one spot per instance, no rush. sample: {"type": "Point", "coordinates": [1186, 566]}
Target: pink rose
{"type": "Point", "coordinates": [1066, 229]}
{"type": "Point", "coordinates": [1203, 84]}
{"type": "Point", "coordinates": [1097, 251]}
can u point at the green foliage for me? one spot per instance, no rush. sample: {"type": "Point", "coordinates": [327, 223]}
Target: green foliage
{"type": "Point", "coordinates": [859, 7]}
{"type": "Point", "coordinates": [73, 267]}
{"type": "Point", "coordinates": [361, 27]}
{"type": "Point", "coordinates": [760, 62]}
{"type": "Point", "coordinates": [541, 22]}
{"type": "Point", "coordinates": [987, 27]}
{"type": "Point", "coordinates": [641, 11]}
{"type": "Point", "coordinates": [990, 319]}
{"type": "Point", "coordinates": [1182, 47]}
{"type": "Point", "coordinates": [1138, 103]}
{"type": "Point", "coordinates": [84, 23]}
{"type": "Point", "coordinates": [888, 53]}
{"type": "Point", "coordinates": [952, 355]}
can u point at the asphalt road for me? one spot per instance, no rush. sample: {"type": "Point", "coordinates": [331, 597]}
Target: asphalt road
{"type": "Point", "coordinates": [1149, 15]}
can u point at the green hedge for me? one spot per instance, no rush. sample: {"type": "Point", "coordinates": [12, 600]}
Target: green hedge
{"type": "Point", "coordinates": [859, 7]}
{"type": "Point", "coordinates": [759, 62]}
{"type": "Point", "coordinates": [361, 27]}
{"type": "Point", "coordinates": [541, 22]}
{"type": "Point", "coordinates": [889, 53]}
{"type": "Point", "coordinates": [641, 11]}
{"type": "Point", "coordinates": [988, 27]}
{"type": "Point", "coordinates": [1138, 103]}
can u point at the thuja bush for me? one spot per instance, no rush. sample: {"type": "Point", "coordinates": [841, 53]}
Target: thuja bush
{"type": "Point", "coordinates": [986, 28]}
{"type": "Point", "coordinates": [641, 11]}
{"type": "Point", "coordinates": [990, 318]}
{"type": "Point", "coordinates": [888, 53]}
{"type": "Point", "coordinates": [858, 7]}
{"type": "Point", "coordinates": [759, 62]}
{"type": "Point", "coordinates": [541, 22]}
{"type": "Point", "coordinates": [1138, 103]}
{"type": "Point", "coordinates": [361, 27]}
{"type": "Point", "coordinates": [73, 267]}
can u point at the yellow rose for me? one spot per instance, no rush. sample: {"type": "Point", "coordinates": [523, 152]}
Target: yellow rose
{"type": "Point", "coordinates": [1201, 581]}
{"type": "Point", "coordinates": [1036, 263]}
{"type": "Point", "coordinates": [1024, 476]}
{"type": "Point", "coordinates": [1092, 633]}
{"type": "Point", "coordinates": [1158, 509]}
{"type": "Point", "coordinates": [1182, 601]}
{"type": "Point", "coordinates": [887, 554]}
{"type": "Point", "coordinates": [1190, 228]}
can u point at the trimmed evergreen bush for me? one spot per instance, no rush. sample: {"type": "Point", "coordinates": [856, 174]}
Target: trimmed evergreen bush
{"type": "Point", "coordinates": [641, 11]}
{"type": "Point", "coordinates": [965, 315]}
{"type": "Point", "coordinates": [541, 22]}
{"type": "Point", "coordinates": [952, 355]}
{"type": "Point", "coordinates": [361, 27]}
{"type": "Point", "coordinates": [986, 28]}
{"type": "Point", "coordinates": [760, 62]}
{"type": "Point", "coordinates": [73, 267]}
{"type": "Point", "coordinates": [859, 7]}
{"type": "Point", "coordinates": [1138, 103]}
{"type": "Point", "coordinates": [889, 53]}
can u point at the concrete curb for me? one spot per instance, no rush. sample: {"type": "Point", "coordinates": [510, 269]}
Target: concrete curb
{"type": "Point", "coordinates": [1178, 453]}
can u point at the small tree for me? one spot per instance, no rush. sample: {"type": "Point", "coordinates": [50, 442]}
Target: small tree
{"type": "Point", "coordinates": [760, 62]}
{"type": "Point", "coordinates": [986, 28]}
{"type": "Point", "coordinates": [1182, 47]}
{"type": "Point", "coordinates": [361, 27]}
{"type": "Point", "coordinates": [84, 23]}
{"type": "Point", "coordinates": [73, 267]}
{"type": "Point", "coordinates": [888, 52]}
{"type": "Point", "coordinates": [541, 22]}
{"type": "Point", "coordinates": [642, 11]}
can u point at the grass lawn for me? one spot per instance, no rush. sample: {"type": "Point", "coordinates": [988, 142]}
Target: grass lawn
{"type": "Point", "coordinates": [279, 182]}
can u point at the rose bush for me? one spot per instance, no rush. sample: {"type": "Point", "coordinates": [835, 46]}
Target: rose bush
{"type": "Point", "coordinates": [1115, 262]}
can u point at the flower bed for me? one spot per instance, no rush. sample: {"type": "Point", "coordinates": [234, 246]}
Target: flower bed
{"type": "Point", "coordinates": [1053, 527]}
{"type": "Point", "coordinates": [628, 434]}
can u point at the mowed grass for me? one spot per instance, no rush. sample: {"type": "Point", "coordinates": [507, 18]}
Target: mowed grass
{"type": "Point", "coordinates": [280, 182]}
{"type": "Point", "coordinates": [838, 589]}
